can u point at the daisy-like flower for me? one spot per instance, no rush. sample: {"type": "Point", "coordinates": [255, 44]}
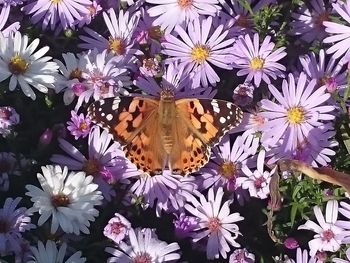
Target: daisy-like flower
{"type": "Point", "coordinates": [300, 109]}
{"type": "Point", "coordinates": [216, 223]}
{"type": "Point", "coordinates": [26, 68]}
{"type": "Point", "coordinates": [117, 228]}
{"type": "Point", "coordinates": [175, 12]}
{"type": "Point", "coordinates": [121, 29]}
{"type": "Point", "coordinates": [72, 81]}
{"type": "Point", "coordinates": [93, 10]}
{"type": "Point", "coordinates": [13, 223]}
{"type": "Point", "coordinates": [176, 79]}
{"type": "Point", "coordinates": [143, 246]}
{"type": "Point", "coordinates": [105, 161]}
{"type": "Point", "coordinates": [199, 47]}
{"type": "Point", "coordinates": [8, 119]}
{"type": "Point", "coordinates": [257, 61]}
{"type": "Point", "coordinates": [258, 181]}
{"type": "Point", "coordinates": [241, 256]}
{"type": "Point", "coordinates": [328, 235]}
{"type": "Point", "coordinates": [68, 198]}
{"type": "Point", "coordinates": [332, 74]}
{"type": "Point", "coordinates": [50, 254]}
{"type": "Point", "coordinates": [339, 260]}
{"type": "Point", "coordinates": [57, 13]}
{"type": "Point", "coordinates": [227, 162]}
{"type": "Point", "coordinates": [79, 126]}
{"type": "Point", "coordinates": [309, 23]}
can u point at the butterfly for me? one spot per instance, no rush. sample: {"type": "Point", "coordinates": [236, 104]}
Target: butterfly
{"type": "Point", "coordinates": [156, 134]}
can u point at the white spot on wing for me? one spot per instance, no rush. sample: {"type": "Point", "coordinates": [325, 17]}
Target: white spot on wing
{"type": "Point", "coordinates": [215, 105]}
{"type": "Point", "coordinates": [109, 117]}
{"type": "Point", "coordinates": [229, 105]}
{"type": "Point", "coordinates": [222, 120]}
{"type": "Point", "coordinates": [115, 104]}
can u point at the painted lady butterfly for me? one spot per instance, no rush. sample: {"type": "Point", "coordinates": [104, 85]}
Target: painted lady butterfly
{"type": "Point", "coordinates": [178, 133]}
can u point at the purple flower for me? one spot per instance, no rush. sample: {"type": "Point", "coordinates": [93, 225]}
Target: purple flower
{"type": "Point", "coordinates": [291, 243]}
{"type": "Point", "coordinates": [46, 137]}
{"type": "Point", "coordinates": [121, 29]}
{"type": "Point", "coordinates": [299, 110]}
{"type": "Point", "coordinates": [340, 37]}
{"type": "Point", "coordinates": [150, 67]}
{"type": "Point", "coordinates": [328, 235]}
{"type": "Point", "coordinates": [200, 46]}
{"type": "Point", "coordinates": [171, 13]}
{"type": "Point", "coordinates": [243, 94]}
{"type": "Point", "coordinates": [216, 223]}
{"type": "Point", "coordinates": [4, 16]}
{"type": "Point", "coordinates": [54, 13]}
{"type": "Point", "coordinates": [117, 228]}
{"type": "Point", "coordinates": [79, 126]}
{"type": "Point", "coordinates": [184, 225]}
{"type": "Point", "coordinates": [309, 23]}
{"type": "Point", "coordinates": [13, 223]}
{"type": "Point", "coordinates": [8, 118]}
{"type": "Point", "coordinates": [258, 62]}
{"type": "Point", "coordinates": [241, 255]}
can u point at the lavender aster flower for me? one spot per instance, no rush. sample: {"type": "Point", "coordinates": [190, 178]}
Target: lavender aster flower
{"type": "Point", "coordinates": [121, 29]}
{"type": "Point", "coordinates": [143, 246]}
{"type": "Point", "coordinates": [217, 223]}
{"type": "Point", "coordinates": [184, 225]}
{"type": "Point", "coordinates": [299, 110]}
{"type": "Point", "coordinates": [13, 223]}
{"type": "Point", "coordinates": [117, 228]}
{"type": "Point", "coordinates": [54, 13]}
{"type": "Point", "coordinates": [328, 235]}
{"type": "Point", "coordinates": [79, 126]}
{"type": "Point", "coordinates": [50, 254]}
{"type": "Point", "coordinates": [241, 256]}
{"type": "Point", "coordinates": [243, 94]}
{"type": "Point", "coordinates": [171, 13]}
{"type": "Point", "coordinates": [200, 46]}
{"type": "Point", "coordinates": [258, 62]}
{"type": "Point", "coordinates": [309, 23]}
{"type": "Point", "coordinates": [8, 118]}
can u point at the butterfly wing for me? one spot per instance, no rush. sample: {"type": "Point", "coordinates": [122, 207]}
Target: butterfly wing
{"type": "Point", "coordinates": [200, 125]}
{"type": "Point", "coordinates": [133, 123]}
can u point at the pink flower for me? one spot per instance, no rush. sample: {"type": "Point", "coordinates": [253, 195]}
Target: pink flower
{"type": "Point", "coordinates": [79, 126]}
{"type": "Point", "coordinates": [117, 228]}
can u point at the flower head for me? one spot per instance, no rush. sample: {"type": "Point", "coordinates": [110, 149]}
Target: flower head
{"type": "Point", "coordinates": [241, 256]}
{"type": "Point", "coordinates": [8, 118]}
{"type": "Point", "coordinates": [69, 198]}
{"type": "Point", "coordinates": [184, 225]}
{"type": "Point", "coordinates": [257, 61]}
{"type": "Point", "coordinates": [216, 223]}
{"type": "Point", "coordinates": [79, 126]}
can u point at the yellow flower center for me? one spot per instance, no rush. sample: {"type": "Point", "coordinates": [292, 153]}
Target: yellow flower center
{"type": "Point", "coordinates": [76, 74]}
{"type": "Point", "coordinates": [91, 167]}
{"type": "Point", "coordinates": [296, 115]}
{"type": "Point", "coordinates": [257, 63]}
{"type": "Point", "coordinates": [56, 1]}
{"type": "Point", "coordinates": [184, 3]}
{"type": "Point", "coordinates": [227, 169]}
{"type": "Point", "coordinates": [200, 53]}
{"type": "Point", "coordinates": [117, 46]}
{"type": "Point", "coordinates": [83, 126]}
{"type": "Point", "coordinates": [18, 65]}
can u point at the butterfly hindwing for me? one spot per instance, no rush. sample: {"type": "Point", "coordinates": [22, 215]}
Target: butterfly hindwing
{"type": "Point", "coordinates": [124, 117]}
{"type": "Point", "coordinates": [209, 119]}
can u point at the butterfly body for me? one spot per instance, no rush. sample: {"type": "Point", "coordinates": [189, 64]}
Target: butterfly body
{"type": "Point", "coordinates": [177, 134]}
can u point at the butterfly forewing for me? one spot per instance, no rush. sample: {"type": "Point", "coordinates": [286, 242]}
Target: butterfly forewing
{"type": "Point", "coordinates": [124, 117]}
{"type": "Point", "coordinates": [209, 119]}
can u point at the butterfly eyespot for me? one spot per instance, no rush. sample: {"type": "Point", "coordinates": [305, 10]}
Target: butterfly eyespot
{"type": "Point", "coordinates": [191, 159]}
{"type": "Point", "coordinates": [143, 158]}
{"type": "Point", "coordinates": [195, 154]}
{"type": "Point", "coordinates": [138, 152]}
{"type": "Point", "coordinates": [134, 147]}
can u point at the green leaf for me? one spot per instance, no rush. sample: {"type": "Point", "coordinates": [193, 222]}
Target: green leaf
{"type": "Point", "coordinates": [293, 212]}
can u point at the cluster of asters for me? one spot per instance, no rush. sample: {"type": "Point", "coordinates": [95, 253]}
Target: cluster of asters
{"type": "Point", "coordinates": [143, 46]}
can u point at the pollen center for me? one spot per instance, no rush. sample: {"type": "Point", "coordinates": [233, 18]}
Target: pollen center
{"type": "Point", "coordinates": [117, 227]}
{"type": "Point", "coordinates": [185, 3]}
{"type": "Point", "coordinates": [214, 224]}
{"type": "Point", "coordinates": [143, 257]}
{"type": "Point", "coordinates": [257, 63]}
{"type": "Point", "coordinates": [91, 167]}
{"type": "Point", "coordinates": [200, 53]}
{"type": "Point", "coordinates": [76, 74]}
{"type": "Point", "coordinates": [296, 115]}
{"type": "Point", "coordinates": [117, 46]}
{"type": "Point", "coordinates": [83, 126]}
{"type": "Point", "coordinates": [259, 181]}
{"type": "Point", "coordinates": [56, 1]}
{"type": "Point", "coordinates": [60, 200]}
{"type": "Point", "coordinates": [18, 65]}
{"type": "Point", "coordinates": [327, 235]}
{"type": "Point", "coordinates": [227, 169]}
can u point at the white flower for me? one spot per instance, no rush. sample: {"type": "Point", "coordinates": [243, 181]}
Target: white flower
{"type": "Point", "coordinates": [144, 246]}
{"type": "Point", "coordinates": [216, 223]}
{"type": "Point", "coordinates": [26, 68]}
{"type": "Point", "coordinates": [328, 236]}
{"type": "Point", "coordinates": [68, 198]}
{"type": "Point", "coordinates": [257, 182]}
{"type": "Point", "coordinates": [303, 257]}
{"type": "Point", "coordinates": [50, 254]}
